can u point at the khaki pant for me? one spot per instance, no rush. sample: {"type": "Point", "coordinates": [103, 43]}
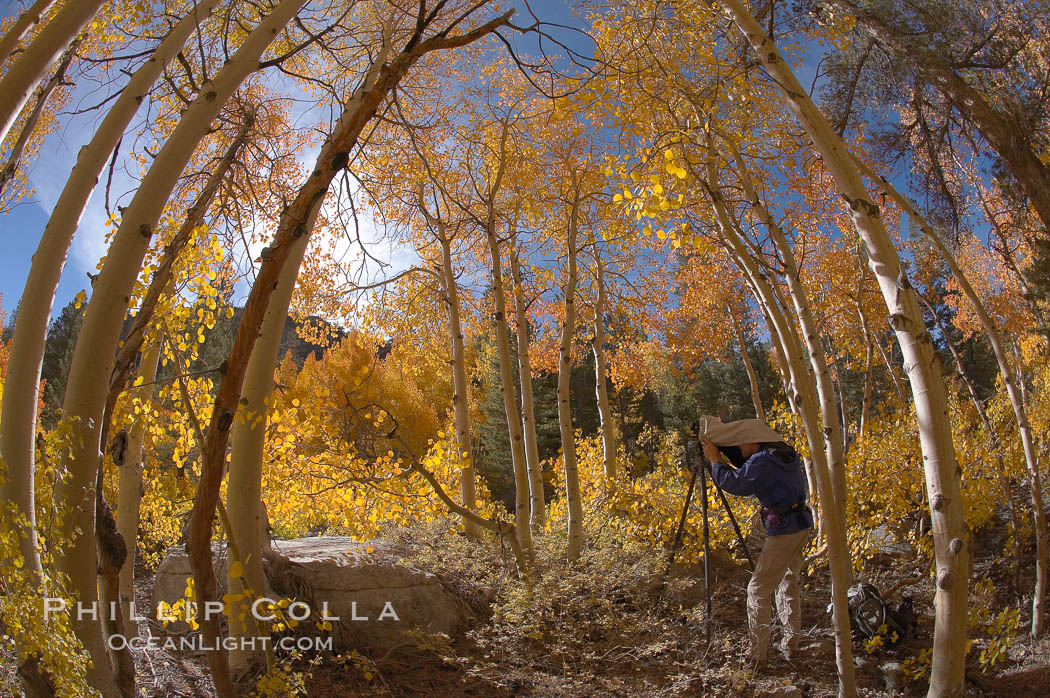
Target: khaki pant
{"type": "Point", "coordinates": [777, 571]}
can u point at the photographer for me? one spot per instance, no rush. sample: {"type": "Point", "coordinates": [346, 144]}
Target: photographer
{"type": "Point", "coordinates": [770, 470]}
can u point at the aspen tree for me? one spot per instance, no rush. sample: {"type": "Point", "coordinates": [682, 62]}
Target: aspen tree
{"type": "Point", "coordinates": [18, 423]}
{"type": "Point", "coordinates": [129, 482]}
{"type": "Point", "coordinates": [361, 107]}
{"type": "Point", "coordinates": [601, 386]}
{"type": "Point", "coordinates": [247, 443]}
{"type": "Point", "coordinates": [460, 402]}
{"type": "Point", "coordinates": [1010, 380]}
{"type": "Point", "coordinates": [832, 525]}
{"type": "Point", "coordinates": [573, 496]}
{"type": "Point", "coordinates": [537, 500]}
{"type": "Point", "coordinates": [994, 442]}
{"type": "Point", "coordinates": [30, 67]}
{"type": "Point", "coordinates": [93, 356]}
{"type": "Point", "coordinates": [26, 21]}
{"type": "Point", "coordinates": [522, 507]}
{"type": "Point", "coordinates": [829, 406]}
{"type": "Point", "coordinates": [940, 466]}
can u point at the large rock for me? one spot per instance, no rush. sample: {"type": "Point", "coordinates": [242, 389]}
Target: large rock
{"type": "Point", "coordinates": [360, 582]}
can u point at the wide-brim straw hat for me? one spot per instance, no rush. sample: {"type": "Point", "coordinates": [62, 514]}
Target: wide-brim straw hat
{"type": "Point", "coordinates": [742, 431]}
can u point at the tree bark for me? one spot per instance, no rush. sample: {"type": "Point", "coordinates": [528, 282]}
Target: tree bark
{"type": "Point", "coordinates": [832, 525]}
{"type": "Point", "coordinates": [522, 507]}
{"type": "Point", "coordinates": [460, 401]}
{"type": "Point", "coordinates": [537, 500]}
{"type": "Point", "coordinates": [940, 466]}
{"type": "Point", "coordinates": [995, 444]}
{"type": "Point", "coordinates": [601, 381]}
{"type": "Point", "coordinates": [574, 502]}
{"type": "Point", "coordinates": [18, 424]}
{"type": "Point", "coordinates": [830, 409]}
{"type": "Point", "coordinates": [93, 357]}
{"type": "Point", "coordinates": [1010, 380]}
{"type": "Point", "coordinates": [360, 109]}
{"type": "Point", "coordinates": [248, 441]}
{"type": "Point", "coordinates": [129, 484]}
{"type": "Point", "coordinates": [21, 27]}
{"type": "Point", "coordinates": [31, 66]}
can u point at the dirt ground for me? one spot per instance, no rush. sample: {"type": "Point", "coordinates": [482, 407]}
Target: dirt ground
{"type": "Point", "coordinates": [673, 650]}
{"type": "Point", "coordinates": [601, 636]}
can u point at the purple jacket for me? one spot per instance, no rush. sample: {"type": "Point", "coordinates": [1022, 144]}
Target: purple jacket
{"type": "Point", "coordinates": [775, 476]}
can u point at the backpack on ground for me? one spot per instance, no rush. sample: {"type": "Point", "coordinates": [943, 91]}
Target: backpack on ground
{"type": "Point", "coordinates": [869, 615]}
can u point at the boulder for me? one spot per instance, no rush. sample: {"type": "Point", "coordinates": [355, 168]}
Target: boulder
{"type": "Point", "coordinates": [377, 598]}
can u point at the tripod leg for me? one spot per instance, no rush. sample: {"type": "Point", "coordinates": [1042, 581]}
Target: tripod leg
{"type": "Point", "coordinates": [707, 550]}
{"type": "Point", "coordinates": [681, 521]}
{"type": "Point", "coordinates": [736, 526]}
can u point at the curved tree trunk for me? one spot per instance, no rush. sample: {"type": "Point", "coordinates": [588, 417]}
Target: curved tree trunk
{"type": "Point", "coordinates": [784, 369]}
{"type": "Point", "coordinates": [830, 409]}
{"type": "Point", "coordinates": [940, 466]}
{"type": "Point", "coordinates": [1024, 428]}
{"type": "Point", "coordinates": [360, 109]}
{"type": "Point", "coordinates": [247, 444]}
{"type": "Point", "coordinates": [833, 527]}
{"type": "Point", "coordinates": [93, 357]}
{"type": "Point", "coordinates": [537, 501]}
{"type": "Point", "coordinates": [573, 497]}
{"type": "Point", "coordinates": [18, 423]}
{"type": "Point", "coordinates": [601, 382]}
{"type": "Point", "coordinates": [21, 27]}
{"type": "Point", "coordinates": [31, 66]}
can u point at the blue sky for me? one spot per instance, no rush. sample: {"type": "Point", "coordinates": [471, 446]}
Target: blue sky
{"type": "Point", "coordinates": [21, 227]}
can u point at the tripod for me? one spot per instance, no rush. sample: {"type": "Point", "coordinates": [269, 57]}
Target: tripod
{"type": "Point", "coordinates": [702, 469]}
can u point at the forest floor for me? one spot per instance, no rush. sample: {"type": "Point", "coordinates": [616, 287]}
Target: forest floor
{"type": "Point", "coordinates": [603, 630]}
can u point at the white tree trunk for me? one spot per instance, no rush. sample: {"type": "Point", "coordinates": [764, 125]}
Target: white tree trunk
{"type": "Point", "coordinates": [14, 157]}
{"type": "Point", "coordinates": [510, 405]}
{"type": "Point", "coordinates": [460, 403]}
{"type": "Point", "coordinates": [833, 527]}
{"type": "Point", "coordinates": [247, 445]}
{"type": "Point", "coordinates": [785, 380]}
{"type": "Point", "coordinates": [573, 497]}
{"type": "Point", "coordinates": [601, 382]}
{"type": "Point", "coordinates": [924, 372]}
{"type": "Point", "coordinates": [830, 409]}
{"type": "Point", "coordinates": [129, 485]}
{"type": "Point", "coordinates": [31, 66]}
{"type": "Point", "coordinates": [537, 501]}
{"type": "Point", "coordinates": [1010, 379]}
{"type": "Point", "coordinates": [93, 356]}
{"type": "Point", "coordinates": [18, 423]}
{"type": "Point", "coordinates": [21, 27]}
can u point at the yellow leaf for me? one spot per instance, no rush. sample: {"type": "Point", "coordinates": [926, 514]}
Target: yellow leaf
{"type": "Point", "coordinates": [236, 569]}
